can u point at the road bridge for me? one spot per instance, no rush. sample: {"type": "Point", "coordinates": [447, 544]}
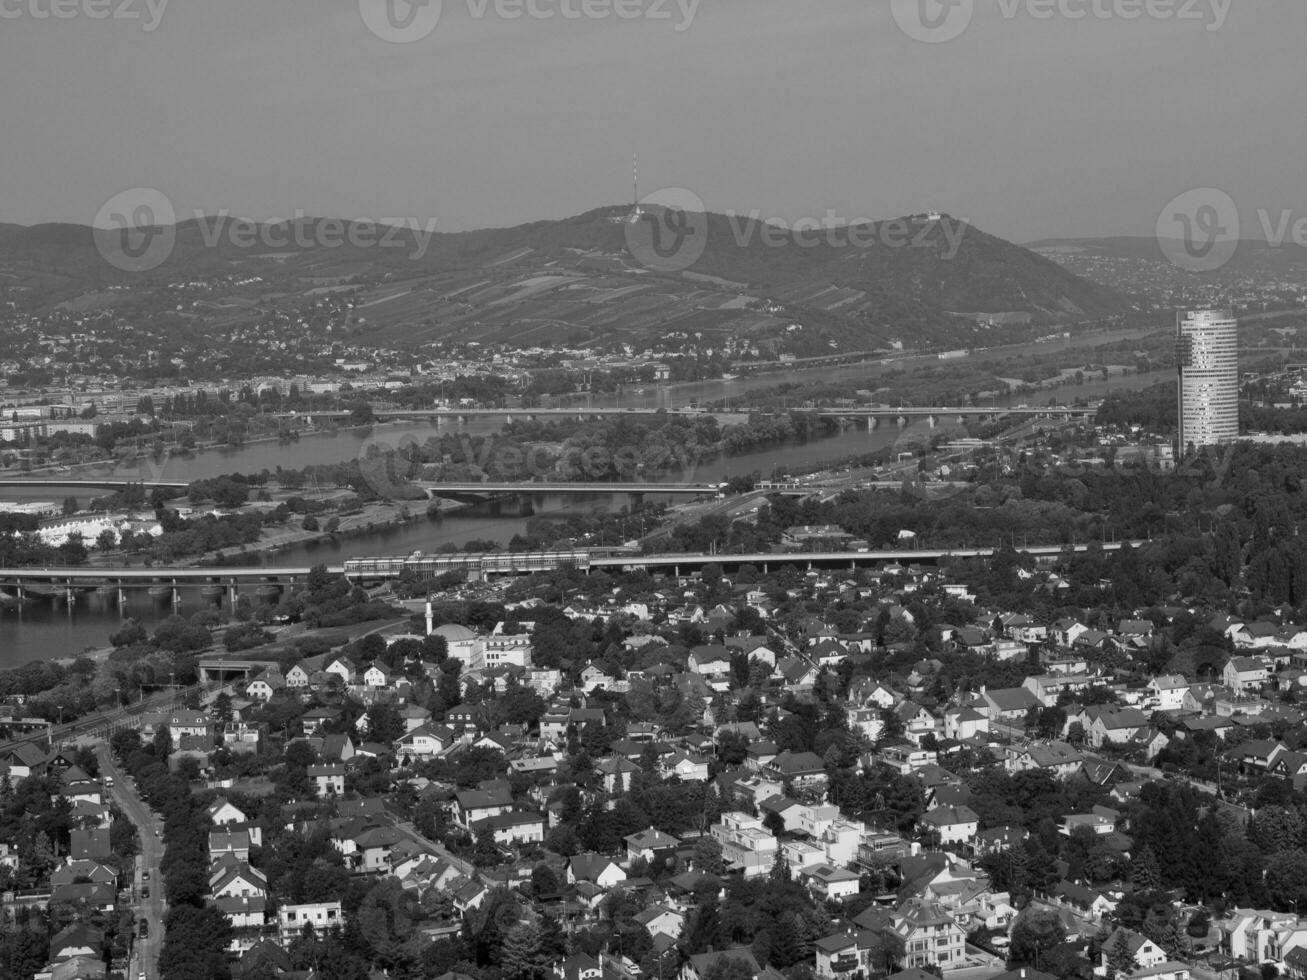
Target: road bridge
{"type": "Point", "coordinates": [903, 412]}
{"type": "Point", "coordinates": [477, 492]}
{"type": "Point", "coordinates": [384, 569]}
{"type": "Point", "coordinates": [67, 583]}
{"type": "Point", "coordinates": [74, 482]}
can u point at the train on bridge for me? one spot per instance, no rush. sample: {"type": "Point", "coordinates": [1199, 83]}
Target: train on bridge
{"type": "Point", "coordinates": [494, 563]}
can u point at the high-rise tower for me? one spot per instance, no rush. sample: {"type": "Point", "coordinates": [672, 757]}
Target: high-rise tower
{"type": "Point", "coordinates": [1207, 356]}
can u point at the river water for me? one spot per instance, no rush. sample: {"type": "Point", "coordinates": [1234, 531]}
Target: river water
{"type": "Point", "coordinates": [42, 630]}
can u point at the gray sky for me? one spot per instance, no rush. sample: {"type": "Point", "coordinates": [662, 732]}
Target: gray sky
{"type": "Point", "coordinates": [1029, 127]}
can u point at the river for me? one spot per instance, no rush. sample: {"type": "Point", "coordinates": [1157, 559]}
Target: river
{"type": "Point", "coordinates": [40, 630]}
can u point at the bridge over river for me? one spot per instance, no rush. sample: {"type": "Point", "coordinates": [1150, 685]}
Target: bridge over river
{"type": "Point", "coordinates": [270, 582]}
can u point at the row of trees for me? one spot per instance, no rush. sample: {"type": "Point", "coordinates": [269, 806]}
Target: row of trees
{"type": "Point", "coordinates": [196, 934]}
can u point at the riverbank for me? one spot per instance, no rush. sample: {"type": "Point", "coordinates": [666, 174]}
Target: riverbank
{"type": "Point", "coordinates": [129, 469]}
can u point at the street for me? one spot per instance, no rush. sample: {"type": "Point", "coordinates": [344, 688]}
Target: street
{"type": "Point", "coordinates": [146, 956]}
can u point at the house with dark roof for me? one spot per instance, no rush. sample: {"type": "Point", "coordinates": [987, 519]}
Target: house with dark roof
{"type": "Point", "coordinates": [801, 768]}
{"type": "Point", "coordinates": [328, 780]}
{"type": "Point", "coordinates": [929, 934]}
{"type": "Point", "coordinates": [578, 966]}
{"type": "Point", "coordinates": [651, 845]}
{"type": "Point", "coordinates": [1108, 724]}
{"type": "Point", "coordinates": [1058, 758]}
{"type": "Point", "coordinates": [616, 772]}
{"type": "Point", "coordinates": [596, 869]}
{"type": "Point", "coordinates": [93, 895]}
{"type": "Point", "coordinates": [865, 950]}
{"type": "Point", "coordinates": [23, 760]}
{"type": "Point", "coordinates": [827, 882]}
{"type": "Point", "coordinates": [1081, 898]}
{"type": "Point", "coordinates": [998, 840]}
{"type": "Point", "coordinates": [90, 845]}
{"type": "Point", "coordinates": [1146, 953]}
{"type": "Point", "coordinates": [75, 941]}
{"type": "Point", "coordinates": [954, 824]}
{"type": "Point", "coordinates": [699, 966]}
{"type": "Point", "coordinates": [514, 827]}
{"type": "Point", "coordinates": [1246, 673]}
{"type": "Point", "coordinates": [491, 798]}
{"type": "Point", "coordinates": [660, 920]}
{"type": "Point", "coordinates": [1009, 704]}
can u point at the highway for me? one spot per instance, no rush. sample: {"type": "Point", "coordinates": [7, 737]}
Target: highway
{"type": "Point", "coordinates": [145, 956]}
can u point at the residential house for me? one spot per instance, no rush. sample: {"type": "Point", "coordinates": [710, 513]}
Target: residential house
{"type": "Point", "coordinates": [800, 768]}
{"type": "Point", "coordinates": [183, 723]}
{"type": "Point", "coordinates": [1245, 673]}
{"type": "Point", "coordinates": [830, 883]}
{"type": "Point", "coordinates": [328, 780]}
{"type": "Point", "coordinates": [596, 869]}
{"type": "Point", "coordinates": [929, 934]}
{"type": "Point", "coordinates": [659, 920]}
{"type": "Point", "coordinates": [702, 965]}
{"type": "Point", "coordinates": [1010, 704]}
{"type": "Point", "coordinates": [490, 799]}
{"type": "Point", "coordinates": [1147, 954]}
{"type": "Point", "coordinates": [747, 845]}
{"type": "Point", "coordinates": [1166, 692]}
{"type": "Point", "coordinates": [263, 687]}
{"type": "Point", "coordinates": [291, 919]}
{"type": "Point", "coordinates": [954, 824]}
{"type": "Point", "coordinates": [425, 742]}
{"type": "Point", "coordinates": [515, 827]}
{"type": "Point", "coordinates": [651, 845]}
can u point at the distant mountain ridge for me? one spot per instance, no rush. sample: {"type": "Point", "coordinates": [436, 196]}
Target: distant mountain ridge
{"type": "Point", "coordinates": [1251, 254]}
{"type": "Point", "coordinates": [917, 282]}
